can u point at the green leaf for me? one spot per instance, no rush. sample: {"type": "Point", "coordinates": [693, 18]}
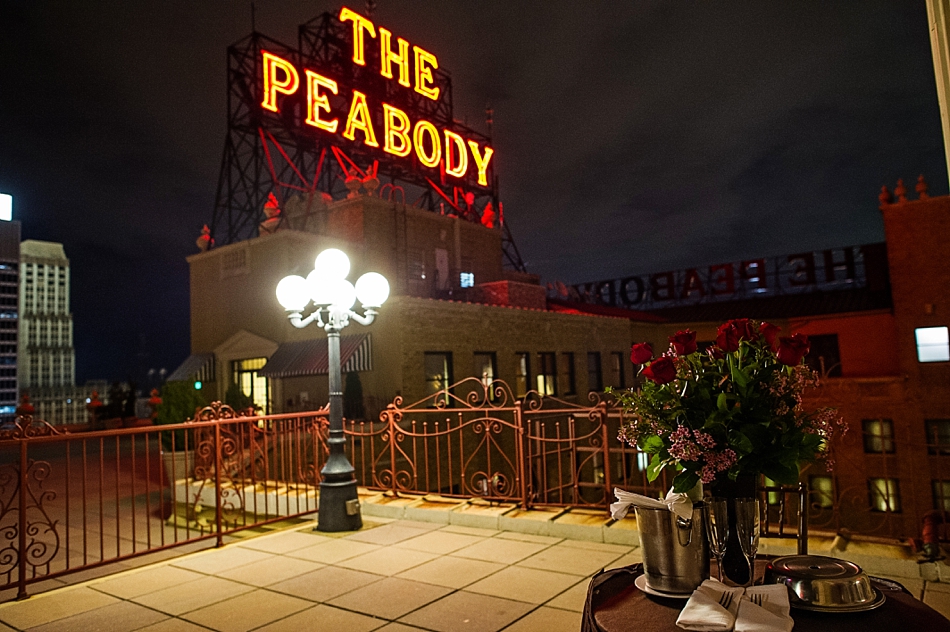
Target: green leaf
{"type": "Point", "coordinates": [654, 468]}
{"type": "Point", "coordinates": [651, 444]}
{"type": "Point", "coordinates": [781, 472]}
{"type": "Point", "coordinates": [721, 402]}
{"type": "Point", "coordinates": [685, 481]}
{"type": "Point", "coordinates": [740, 442]}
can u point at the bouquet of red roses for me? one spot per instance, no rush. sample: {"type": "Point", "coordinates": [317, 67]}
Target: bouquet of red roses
{"type": "Point", "coordinates": [733, 408]}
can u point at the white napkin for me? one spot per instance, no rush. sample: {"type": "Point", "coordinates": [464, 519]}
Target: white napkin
{"type": "Point", "coordinates": [771, 616]}
{"type": "Point", "coordinates": [680, 504]}
{"type": "Point", "coordinates": [702, 613]}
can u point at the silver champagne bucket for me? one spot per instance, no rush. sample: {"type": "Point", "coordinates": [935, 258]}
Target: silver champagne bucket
{"type": "Point", "coordinates": [675, 551]}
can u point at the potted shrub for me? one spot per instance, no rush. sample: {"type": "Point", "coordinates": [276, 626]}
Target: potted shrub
{"type": "Point", "coordinates": [180, 400]}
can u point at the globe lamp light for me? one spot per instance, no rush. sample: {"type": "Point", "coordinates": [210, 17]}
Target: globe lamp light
{"type": "Point", "coordinates": [333, 263]}
{"type": "Point", "coordinates": [342, 294]}
{"type": "Point", "coordinates": [372, 289]}
{"type": "Point", "coordinates": [320, 288]}
{"type": "Point", "coordinates": [292, 293]}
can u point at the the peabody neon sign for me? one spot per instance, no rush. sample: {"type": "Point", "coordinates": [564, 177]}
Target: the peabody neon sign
{"type": "Point", "coordinates": [400, 136]}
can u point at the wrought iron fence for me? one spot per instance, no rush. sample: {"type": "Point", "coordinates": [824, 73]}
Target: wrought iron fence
{"type": "Point", "coordinates": [71, 502]}
{"type": "Point", "coordinates": [76, 501]}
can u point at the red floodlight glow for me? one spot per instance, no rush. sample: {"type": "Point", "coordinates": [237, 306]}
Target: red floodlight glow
{"type": "Point", "coordinates": [317, 101]}
{"type": "Point", "coordinates": [273, 85]}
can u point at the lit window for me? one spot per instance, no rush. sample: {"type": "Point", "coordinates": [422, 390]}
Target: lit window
{"type": "Point", "coordinates": [884, 494]}
{"type": "Point", "coordinates": [486, 370]}
{"type": "Point", "coordinates": [547, 374]}
{"type": "Point", "coordinates": [941, 491]}
{"type": "Point", "coordinates": [522, 373]}
{"type": "Point", "coordinates": [438, 374]}
{"type": "Point", "coordinates": [467, 279]}
{"type": "Point", "coordinates": [822, 491]}
{"type": "Point", "coordinates": [878, 435]}
{"type": "Point", "coordinates": [933, 344]}
{"type": "Point", "coordinates": [938, 436]}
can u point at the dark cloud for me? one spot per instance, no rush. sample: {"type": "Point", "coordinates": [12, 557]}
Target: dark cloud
{"type": "Point", "coordinates": [630, 137]}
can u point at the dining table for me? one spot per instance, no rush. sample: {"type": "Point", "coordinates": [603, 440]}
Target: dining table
{"type": "Point", "coordinates": [615, 604]}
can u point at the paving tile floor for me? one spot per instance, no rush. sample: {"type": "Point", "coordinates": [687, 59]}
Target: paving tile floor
{"type": "Point", "coordinates": [391, 576]}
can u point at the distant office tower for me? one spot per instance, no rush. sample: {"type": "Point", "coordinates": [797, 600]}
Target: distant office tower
{"type": "Point", "coordinates": [9, 263]}
{"type": "Point", "coordinates": [47, 366]}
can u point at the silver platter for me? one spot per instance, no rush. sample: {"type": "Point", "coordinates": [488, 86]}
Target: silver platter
{"type": "Point", "coordinates": [878, 601]}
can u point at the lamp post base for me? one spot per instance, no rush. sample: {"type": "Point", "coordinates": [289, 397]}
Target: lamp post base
{"type": "Point", "coordinates": [339, 508]}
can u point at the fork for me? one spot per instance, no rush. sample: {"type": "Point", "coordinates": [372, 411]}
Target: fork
{"type": "Point", "coordinates": [726, 599]}
{"type": "Point", "coordinates": [756, 599]}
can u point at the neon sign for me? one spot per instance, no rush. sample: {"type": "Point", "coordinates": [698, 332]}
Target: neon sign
{"type": "Point", "coordinates": [367, 122]}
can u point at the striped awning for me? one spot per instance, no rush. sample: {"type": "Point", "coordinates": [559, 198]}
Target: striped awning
{"type": "Point", "coordinates": [311, 357]}
{"type": "Point", "coordinates": [199, 366]}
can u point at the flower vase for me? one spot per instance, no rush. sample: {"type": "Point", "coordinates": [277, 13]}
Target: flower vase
{"type": "Point", "coordinates": [734, 564]}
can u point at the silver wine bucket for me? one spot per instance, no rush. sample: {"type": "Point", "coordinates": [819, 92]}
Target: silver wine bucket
{"type": "Point", "coordinates": [675, 551]}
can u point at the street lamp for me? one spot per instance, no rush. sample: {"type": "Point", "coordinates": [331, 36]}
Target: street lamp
{"type": "Point", "coordinates": [333, 298]}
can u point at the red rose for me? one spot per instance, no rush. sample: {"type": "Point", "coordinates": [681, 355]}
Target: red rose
{"type": "Point", "coordinates": [662, 370]}
{"type": "Point", "coordinates": [641, 352]}
{"type": "Point", "coordinates": [684, 342]}
{"type": "Point", "coordinates": [791, 349]}
{"type": "Point", "coordinates": [769, 332]}
{"type": "Point", "coordinates": [745, 329]}
{"type": "Point", "coordinates": [727, 338]}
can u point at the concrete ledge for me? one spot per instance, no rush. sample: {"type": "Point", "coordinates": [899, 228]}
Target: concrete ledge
{"type": "Point", "coordinates": [579, 524]}
{"type": "Point", "coordinates": [622, 532]}
{"type": "Point", "coordinates": [533, 521]}
{"type": "Point", "coordinates": [433, 509]}
{"type": "Point", "coordinates": [479, 514]}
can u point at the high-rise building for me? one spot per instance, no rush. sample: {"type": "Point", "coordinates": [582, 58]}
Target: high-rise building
{"type": "Point", "coordinates": [9, 286]}
{"type": "Point", "coordinates": [47, 359]}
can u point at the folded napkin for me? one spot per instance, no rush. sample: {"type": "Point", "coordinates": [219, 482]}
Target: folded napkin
{"type": "Point", "coordinates": [680, 504]}
{"type": "Point", "coordinates": [703, 612]}
{"type": "Point", "coordinates": [771, 616]}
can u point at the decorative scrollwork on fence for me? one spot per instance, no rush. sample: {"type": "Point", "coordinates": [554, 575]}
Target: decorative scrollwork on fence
{"type": "Point", "coordinates": [25, 427]}
{"type": "Point", "coordinates": [42, 539]}
{"type": "Point", "coordinates": [215, 411]}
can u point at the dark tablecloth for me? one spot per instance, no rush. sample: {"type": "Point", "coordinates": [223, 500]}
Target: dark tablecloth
{"type": "Point", "coordinates": [614, 604]}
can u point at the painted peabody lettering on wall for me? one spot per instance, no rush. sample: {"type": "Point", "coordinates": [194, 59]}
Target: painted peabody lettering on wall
{"type": "Point", "coordinates": [375, 123]}
{"type": "Point", "coordinates": [791, 274]}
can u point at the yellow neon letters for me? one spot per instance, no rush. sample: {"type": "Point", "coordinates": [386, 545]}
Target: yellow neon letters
{"type": "Point", "coordinates": [481, 161]}
{"type": "Point", "coordinates": [431, 159]}
{"type": "Point", "coordinates": [396, 131]}
{"type": "Point", "coordinates": [433, 147]}
{"type": "Point", "coordinates": [387, 57]}
{"type": "Point", "coordinates": [360, 24]}
{"type": "Point", "coordinates": [424, 73]}
{"type": "Point", "coordinates": [460, 153]}
{"type": "Point", "coordinates": [359, 119]}
{"type": "Point", "coordinates": [273, 85]}
{"type": "Point", "coordinates": [317, 101]}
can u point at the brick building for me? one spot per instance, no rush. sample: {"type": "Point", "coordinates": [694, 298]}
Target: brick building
{"type": "Point", "coordinates": [454, 313]}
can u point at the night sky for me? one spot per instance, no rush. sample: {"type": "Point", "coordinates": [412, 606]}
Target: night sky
{"type": "Point", "coordinates": [630, 137]}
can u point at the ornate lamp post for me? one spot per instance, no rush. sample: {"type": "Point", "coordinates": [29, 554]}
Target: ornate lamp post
{"type": "Point", "coordinates": [333, 298]}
